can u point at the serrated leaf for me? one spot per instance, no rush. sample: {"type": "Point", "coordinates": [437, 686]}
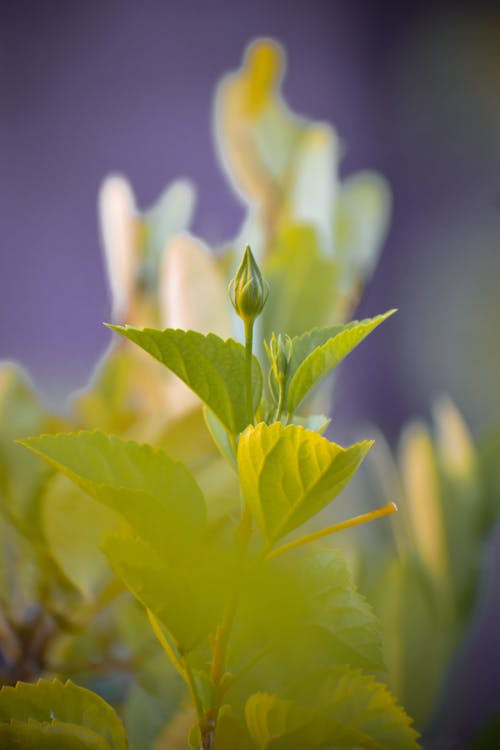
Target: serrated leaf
{"type": "Point", "coordinates": [213, 368]}
{"type": "Point", "coordinates": [17, 735]}
{"type": "Point", "coordinates": [334, 608]}
{"type": "Point", "coordinates": [288, 474]}
{"type": "Point", "coordinates": [66, 704]}
{"type": "Point", "coordinates": [158, 497]}
{"type": "Point", "coordinates": [317, 352]}
{"type": "Point", "coordinates": [302, 611]}
{"type": "Point", "coordinates": [345, 708]}
{"type": "Point", "coordinates": [271, 719]}
{"type": "Point", "coordinates": [186, 593]}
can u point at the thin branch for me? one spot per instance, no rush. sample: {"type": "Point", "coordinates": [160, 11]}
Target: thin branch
{"type": "Point", "coordinates": [386, 510]}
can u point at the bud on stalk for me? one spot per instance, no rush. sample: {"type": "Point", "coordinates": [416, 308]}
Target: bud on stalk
{"type": "Point", "coordinates": [248, 291]}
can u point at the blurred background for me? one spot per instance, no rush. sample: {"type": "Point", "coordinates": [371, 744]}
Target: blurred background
{"type": "Point", "coordinates": [91, 88]}
{"type": "Point", "coordinates": [87, 89]}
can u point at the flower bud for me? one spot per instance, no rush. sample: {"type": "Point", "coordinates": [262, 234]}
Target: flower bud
{"type": "Point", "coordinates": [248, 291]}
{"type": "Point", "coordinates": [279, 352]}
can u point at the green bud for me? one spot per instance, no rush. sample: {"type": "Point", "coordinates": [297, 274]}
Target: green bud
{"type": "Point", "coordinates": [248, 291]}
{"type": "Point", "coordinates": [279, 352]}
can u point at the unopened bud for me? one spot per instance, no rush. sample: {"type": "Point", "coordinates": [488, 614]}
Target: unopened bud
{"type": "Point", "coordinates": [248, 291]}
{"type": "Point", "coordinates": [279, 352]}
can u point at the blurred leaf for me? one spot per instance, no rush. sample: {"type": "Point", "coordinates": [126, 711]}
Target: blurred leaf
{"type": "Point", "coordinates": [424, 501]}
{"type": "Point", "coordinates": [157, 496]}
{"type": "Point", "coordinates": [185, 592]}
{"type": "Point", "coordinates": [317, 352]}
{"type": "Point", "coordinates": [118, 220]}
{"type": "Point", "coordinates": [60, 713]}
{"type": "Point", "coordinates": [288, 474]}
{"type": "Point", "coordinates": [168, 217]}
{"type": "Point", "coordinates": [64, 509]}
{"type": "Point", "coordinates": [297, 613]}
{"type": "Point", "coordinates": [256, 133]}
{"type": "Point", "coordinates": [314, 183]}
{"type": "Point", "coordinates": [21, 475]}
{"type": "Point", "coordinates": [193, 289]}
{"type": "Point", "coordinates": [55, 735]}
{"type": "Point", "coordinates": [302, 282]}
{"type": "Point", "coordinates": [274, 722]}
{"type": "Point", "coordinates": [361, 219]}
{"type": "Point", "coordinates": [489, 461]}
{"type": "Point", "coordinates": [418, 632]}
{"type": "Point", "coordinates": [346, 709]}
{"type": "Point", "coordinates": [214, 369]}
{"type": "Point", "coordinates": [220, 437]}
{"type": "Point", "coordinates": [229, 733]}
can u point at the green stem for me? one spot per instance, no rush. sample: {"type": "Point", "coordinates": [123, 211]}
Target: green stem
{"type": "Point", "coordinates": [221, 639]}
{"type": "Point", "coordinates": [193, 690]}
{"type": "Point", "coordinates": [281, 401]}
{"type": "Point", "coordinates": [164, 642]}
{"type": "Point", "coordinates": [248, 373]}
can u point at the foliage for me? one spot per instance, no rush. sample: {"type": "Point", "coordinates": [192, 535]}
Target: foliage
{"type": "Point", "coordinates": [195, 577]}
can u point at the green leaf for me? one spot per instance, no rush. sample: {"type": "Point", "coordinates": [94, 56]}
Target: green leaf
{"type": "Point", "coordinates": [213, 368]}
{"type": "Point", "coordinates": [301, 611]}
{"type": "Point", "coordinates": [158, 497]}
{"type": "Point", "coordinates": [186, 594]}
{"type": "Point", "coordinates": [334, 610]}
{"type": "Point", "coordinates": [317, 352]}
{"type": "Point", "coordinates": [229, 733]}
{"type": "Point", "coordinates": [21, 475]}
{"type": "Point", "coordinates": [288, 474]}
{"type": "Point", "coordinates": [344, 709]}
{"type": "Point", "coordinates": [272, 720]}
{"type": "Point", "coordinates": [34, 735]}
{"type": "Point", "coordinates": [66, 508]}
{"type": "Point", "coordinates": [417, 624]}
{"type": "Point", "coordinates": [51, 710]}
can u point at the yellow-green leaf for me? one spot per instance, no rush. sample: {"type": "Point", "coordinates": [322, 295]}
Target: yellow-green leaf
{"type": "Point", "coordinates": [186, 594]}
{"type": "Point", "coordinates": [288, 474]}
{"type": "Point", "coordinates": [57, 706]}
{"type": "Point", "coordinates": [158, 497]}
{"type": "Point", "coordinates": [343, 708]}
{"type": "Point", "coordinates": [54, 735]}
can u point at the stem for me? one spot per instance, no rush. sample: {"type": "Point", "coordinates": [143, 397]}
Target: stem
{"type": "Point", "coordinates": [221, 638]}
{"type": "Point", "coordinates": [166, 645]}
{"type": "Point", "coordinates": [386, 510]}
{"type": "Point", "coordinates": [281, 401]}
{"type": "Point", "coordinates": [194, 693]}
{"type": "Point", "coordinates": [248, 352]}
